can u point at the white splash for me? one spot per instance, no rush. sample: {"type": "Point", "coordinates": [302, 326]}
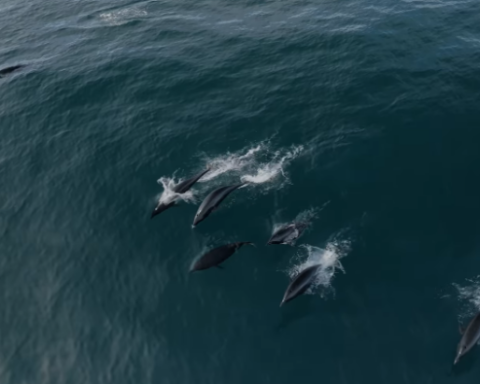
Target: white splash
{"type": "Point", "coordinates": [254, 165]}
{"type": "Point", "coordinates": [232, 162]}
{"type": "Point", "coordinates": [122, 16]}
{"type": "Point", "coordinates": [304, 219]}
{"type": "Point", "coordinates": [469, 294]}
{"type": "Point", "coordinates": [168, 195]}
{"type": "Point", "coordinates": [310, 214]}
{"type": "Point", "coordinates": [270, 170]}
{"type": "Point", "coordinates": [327, 258]}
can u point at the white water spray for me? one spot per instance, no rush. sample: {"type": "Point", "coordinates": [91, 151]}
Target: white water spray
{"type": "Point", "coordinates": [122, 16]}
{"type": "Point", "coordinates": [270, 170]}
{"type": "Point", "coordinates": [327, 258]}
{"type": "Point", "coordinates": [169, 195]}
{"type": "Point", "coordinates": [469, 294]}
{"type": "Point", "coordinates": [232, 162]}
{"type": "Point", "coordinates": [254, 165]}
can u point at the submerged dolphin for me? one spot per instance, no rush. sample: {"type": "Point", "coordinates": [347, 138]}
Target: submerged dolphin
{"type": "Point", "coordinates": [300, 283]}
{"type": "Point", "coordinates": [6, 71]}
{"type": "Point", "coordinates": [212, 201]}
{"type": "Point", "coordinates": [287, 234]}
{"type": "Point", "coordinates": [470, 337]}
{"type": "Point", "coordinates": [216, 256]}
{"type": "Point", "coordinates": [180, 188]}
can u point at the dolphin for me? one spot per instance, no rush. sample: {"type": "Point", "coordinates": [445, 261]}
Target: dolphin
{"type": "Point", "coordinates": [300, 283]}
{"type": "Point", "coordinates": [470, 337]}
{"type": "Point", "coordinates": [7, 70]}
{"type": "Point", "coordinates": [216, 256]}
{"type": "Point", "coordinates": [287, 234]}
{"type": "Point", "coordinates": [212, 201]}
{"type": "Point", "coordinates": [180, 188]}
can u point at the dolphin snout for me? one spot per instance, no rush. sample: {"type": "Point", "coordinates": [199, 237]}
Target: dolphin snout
{"type": "Point", "coordinates": [457, 359]}
{"type": "Point", "coordinates": [160, 208]}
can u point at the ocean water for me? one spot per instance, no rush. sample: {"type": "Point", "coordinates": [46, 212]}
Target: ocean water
{"type": "Point", "coordinates": [362, 115]}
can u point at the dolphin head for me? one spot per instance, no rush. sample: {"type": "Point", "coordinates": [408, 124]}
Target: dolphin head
{"type": "Point", "coordinates": [198, 217]}
{"type": "Point", "coordinates": [462, 349]}
{"type": "Point", "coordinates": [196, 220]}
{"type": "Point", "coordinates": [160, 208]}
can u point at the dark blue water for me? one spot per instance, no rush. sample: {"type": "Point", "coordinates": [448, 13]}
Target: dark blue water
{"type": "Point", "coordinates": [361, 115]}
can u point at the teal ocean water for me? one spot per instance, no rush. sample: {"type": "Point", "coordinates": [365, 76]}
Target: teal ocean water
{"type": "Point", "coordinates": [361, 115]}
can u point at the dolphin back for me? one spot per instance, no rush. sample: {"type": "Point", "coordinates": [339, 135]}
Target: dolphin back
{"type": "Point", "coordinates": [217, 256]}
{"type": "Point", "coordinates": [283, 235]}
{"type": "Point", "coordinates": [214, 257]}
{"type": "Point", "coordinates": [7, 70]}
{"type": "Point", "coordinates": [472, 333]}
{"type": "Point", "coordinates": [222, 193]}
{"type": "Point", "coordinates": [212, 201]}
{"type": "Point", "coordinates": [185, 185]}
{"type": "Point", "coordinates": [300, 283]}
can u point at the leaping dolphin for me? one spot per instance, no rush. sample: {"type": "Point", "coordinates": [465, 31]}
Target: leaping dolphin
{"type": "Point", "coordinates": [179, 189]}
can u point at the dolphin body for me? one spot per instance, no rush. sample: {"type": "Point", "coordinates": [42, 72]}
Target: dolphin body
{"type": "Point", "coordinates": [180, 188]}
{"type": "Point", "coordinates": [212, 201]}
{"type": "Point", "coordinates": [300, 283]}
{"type": "Point", "coordinates": [470, 337]}
{"type": "Point", "coordinates": [8, 70]}
{"type": "Point", "coordinates": [287, 234]}
{"type": "Point", "coordinates": [216, 256]}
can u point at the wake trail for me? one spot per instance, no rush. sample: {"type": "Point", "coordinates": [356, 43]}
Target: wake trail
{"type": "Point", "coordinates": [255, 165]}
